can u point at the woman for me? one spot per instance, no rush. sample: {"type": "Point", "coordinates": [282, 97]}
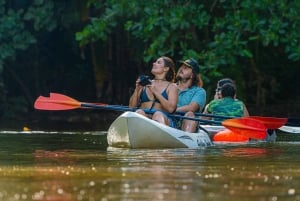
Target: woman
{"type": "Point", "coordinates": [159, 97]}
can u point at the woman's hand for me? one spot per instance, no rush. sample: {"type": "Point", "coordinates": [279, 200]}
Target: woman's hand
{"type": "Point", "coordinates": [135, 97]}
{"type": "Point", "coordinates": [137, 84]}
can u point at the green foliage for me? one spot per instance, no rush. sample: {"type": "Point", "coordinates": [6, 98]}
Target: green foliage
{"type": "Point", "coordinates": [160, 25]}
{"type": "Point", "coordinates": [257, 43]}
{"type": "Point", "coordinates": [22, 25]}
{"type": "Point", "coordinates": [229, 38]}
{"type": "Point", "coordinates": [247, 23]}
{"type": "Point", "coordinates": [12, 34]}
{"type": "Point", "coordinates": [41, 13]}
{"type": "Point", "coordinates": [183, 28]}
{"type": "Point", "coordinates": [16, 32]}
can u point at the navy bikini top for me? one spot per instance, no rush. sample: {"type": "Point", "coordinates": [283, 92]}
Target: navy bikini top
{"type": "Point", "coordinates": [144, 97]}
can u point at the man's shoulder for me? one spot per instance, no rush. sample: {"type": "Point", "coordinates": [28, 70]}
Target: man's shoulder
{"type": "Point", "coordinates": [196, 88]}
{"type": "Point", "coordinates": [193, 90]}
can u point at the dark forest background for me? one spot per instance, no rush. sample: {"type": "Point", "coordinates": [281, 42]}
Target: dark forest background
{"type": "Point", "coordinates": [93, 50]}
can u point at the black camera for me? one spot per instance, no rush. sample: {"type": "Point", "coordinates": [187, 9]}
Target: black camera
{"type": "Point", "coordinates": [145, 80]}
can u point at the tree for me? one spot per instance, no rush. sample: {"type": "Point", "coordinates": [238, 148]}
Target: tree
{"type": "Point", "coordinates": [38, 51]}
{"type": "Point", "coordinates": [18, 28]}
{"type": "Point", "coordinates": [231, 38]}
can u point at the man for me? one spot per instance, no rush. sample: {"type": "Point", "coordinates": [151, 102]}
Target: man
{"type": "Point", "coordinates": [191, 95]}
{"type": "Point", "coordinates": [220, 84]}
{"type": "Point", "coordinates": [227, 104]}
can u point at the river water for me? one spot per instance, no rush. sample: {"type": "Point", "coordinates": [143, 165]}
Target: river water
{"type": "Point", "coordinates": [66, 166]}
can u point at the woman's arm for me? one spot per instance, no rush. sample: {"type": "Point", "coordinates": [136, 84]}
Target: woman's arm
{"type": "Point", "coordinates": [135, 97]}
{"type": "Point", "coordinates": [246, 113]}
{"type": "Point", "coordinates": [170, 104]}
{"type": "Point", "coordinates": [206, 112]}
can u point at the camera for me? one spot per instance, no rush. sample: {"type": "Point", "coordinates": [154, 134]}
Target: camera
{"type": "Point", "coordinates": [145, 80]}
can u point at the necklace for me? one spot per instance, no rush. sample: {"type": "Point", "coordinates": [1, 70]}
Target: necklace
{"type": "Point", "coordinates": [160, 79]}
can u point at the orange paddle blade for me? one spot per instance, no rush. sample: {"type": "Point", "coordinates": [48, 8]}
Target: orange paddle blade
{"type": "Point", "coordinates": [71, 101]}
{"type": "Point", "coordinates": [56, 102]}
{"type": "Point", "coordinates": [270, 122]}
{"type": "Point", "coordinates": [246, 126]}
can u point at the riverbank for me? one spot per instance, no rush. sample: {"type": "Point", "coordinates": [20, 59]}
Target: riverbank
{"type": "Point", "coordinates": [75, 120]}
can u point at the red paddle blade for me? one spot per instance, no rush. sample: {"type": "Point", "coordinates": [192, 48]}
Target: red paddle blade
{"type": "Point", "coordinates": [271, 122]}
{"type": "Point", "coordinates": [246, 126]}
{"type": "Point", "coordinates": [56, 102]}
{"type": "Point", "coordinates": [61, 97]}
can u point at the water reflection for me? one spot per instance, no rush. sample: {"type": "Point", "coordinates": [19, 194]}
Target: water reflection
{"type": "Point", "coordinates": [158, 174]}
{"type": "Point", "coordinates": [82, 167]}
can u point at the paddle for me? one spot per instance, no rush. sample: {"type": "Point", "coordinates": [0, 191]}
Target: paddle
{"type": "Point", "coordinates": [249, 127]}
{"type": "Point", "coordinates": [270, 122]}
{"type": "Point", "coordinates": [62, 102]}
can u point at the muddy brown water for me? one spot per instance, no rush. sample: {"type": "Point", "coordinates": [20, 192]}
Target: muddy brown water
{"type": "Point", "coordinates": [80, 166]}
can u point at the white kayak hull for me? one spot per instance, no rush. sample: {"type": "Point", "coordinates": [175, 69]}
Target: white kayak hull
{"type": "Point", "coordinates": [132, 130]}
{"type": "Point", "coordinates": [290, 129]}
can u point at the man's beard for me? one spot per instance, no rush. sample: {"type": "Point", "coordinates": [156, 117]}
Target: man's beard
{"type": "Point", "coordinates": [179, 78]}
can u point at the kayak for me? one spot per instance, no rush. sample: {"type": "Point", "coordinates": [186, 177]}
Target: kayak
{"type": "Point", "coordinates": [132, 130]}
{"type": "Point", "coordinates": [290, 129]}
{"type": "Point", "coordinates": [270, 137]}
{"type": "Point", "coordinates": [220, 134]}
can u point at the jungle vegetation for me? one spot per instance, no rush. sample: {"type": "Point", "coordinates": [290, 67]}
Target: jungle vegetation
{"type": "Point", "coordinates": [94, 50]}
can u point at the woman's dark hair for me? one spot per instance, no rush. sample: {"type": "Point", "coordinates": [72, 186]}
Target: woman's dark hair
{"type": "Point", "coordinates": [228, 90]}
{"type": "Point", "coordinates": [224, 81]}
{"type": "Point", "coordinates": [197, 80]}
{"type": "Point", "coordinates": [171, 73]}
